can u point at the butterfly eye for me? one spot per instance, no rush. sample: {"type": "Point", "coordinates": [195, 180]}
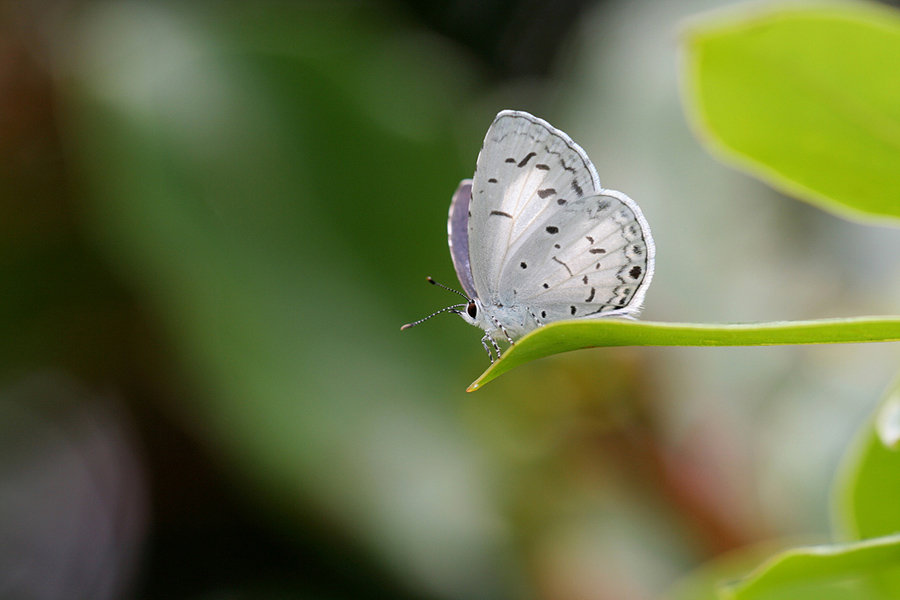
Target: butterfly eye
{"type": "Point", "coordinates": [472, 310]}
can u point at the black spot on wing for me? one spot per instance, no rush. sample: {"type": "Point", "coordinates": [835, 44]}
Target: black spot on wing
{"type": "Point", "coordinates": [561, 201]}
{"type": "Point", "coordinates": [546, 286]}
{"type": "Point", "coordinates": [500, 213]}
{"type": "Point", "coordinates": [523, 265]}
{"type": "Point", "coordinates": [635, 272]}
{"type": "Point", "coordinates": [557, 246]}
{"type": "Point", "coordinates": [544, 314]}
{"type": "Point", "coordinates": [552, 229]}
{"type": "Point", "coordinates": [562, 163]}
{"type": "Point", "coordinates": [492, 180]}
{"type": "Point", "coordinates": [572, 309]}
{"type": "Point", "coordinates": [577, 188]}
{"type": "Point", "coordinates": [525, 160]}
{"type": "Point", "coordinates": [510, 160]}
{"type": "Point", "coordinates": [597, 251]}
{"type": "Point", "coordinates": [589, 239]}
{"type": "Point", "coordinates": [584, 280]}
{"type": "Point", "coordinates": [563, 264]}
{"type": "Point", "coordinates": [542, 167]}
{"type": "Point", "coordinates": [591, 297]}
{"type": "Point", "coordinates": [546, 193]}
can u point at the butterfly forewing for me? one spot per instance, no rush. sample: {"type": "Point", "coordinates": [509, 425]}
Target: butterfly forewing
{"type": "Point", "coordinates": [526, 172]}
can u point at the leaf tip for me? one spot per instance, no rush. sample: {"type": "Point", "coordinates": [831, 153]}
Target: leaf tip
{"type": "Point", "coordinates": [488, 374]}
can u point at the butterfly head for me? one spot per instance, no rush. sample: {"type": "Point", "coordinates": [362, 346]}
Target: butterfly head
{"type": "Point", "coordinates": [473, 313]}
{"type": "Point", "coordinates": [470, 310]}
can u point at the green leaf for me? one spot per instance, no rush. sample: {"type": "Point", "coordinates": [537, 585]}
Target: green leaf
{"type": "Point", "coordinates": [564, 336]}
{"type": "Point", "coordinates": [704, 582]}
{"type": "Point", "coordinates": [210, 145]}
{"type": "Point", "coordinates": [806, 99]}
{"type": "Point", "coordinates": [867, 489]}
{"type": "Point", "coordinates": [799, 572]}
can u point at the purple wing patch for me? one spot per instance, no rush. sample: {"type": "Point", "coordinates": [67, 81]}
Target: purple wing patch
{"type": "Point", "coordinates": [458, 233]}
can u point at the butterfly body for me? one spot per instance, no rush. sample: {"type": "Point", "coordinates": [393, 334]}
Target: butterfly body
{"type": "Point", "coordinates": [534, 238]}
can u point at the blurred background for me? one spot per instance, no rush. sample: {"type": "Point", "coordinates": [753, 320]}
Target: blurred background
{"type": "Point", "coordinates": [214, 218]}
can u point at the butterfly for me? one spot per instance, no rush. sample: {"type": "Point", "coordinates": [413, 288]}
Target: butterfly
{"type": "Point", "coordinates": [535, 239]}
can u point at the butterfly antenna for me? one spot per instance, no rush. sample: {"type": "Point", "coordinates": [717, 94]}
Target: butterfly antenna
{"type": "Point", "coordinates": [455, 308]}
{"type": "Point", "coordinates": [433, 282]}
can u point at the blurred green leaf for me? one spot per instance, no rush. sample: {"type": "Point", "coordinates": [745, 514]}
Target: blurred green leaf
{"type": "Point", "coordinates": [564, 336]}
{"type": "Point", "coordinates": [818, 572]}
{"type": "Point", "coordinates": [867, 489]}
{"type": "Point", "coordinates": [703, 583]}
{"type": "Point", "coordinates": [865, 494]}
{"type": "Point", "coordinates": [805, 98]}
{"type": "Point", "coordinates": [241, 182]}
{"type": "Point", "coordinates": [887, 420]}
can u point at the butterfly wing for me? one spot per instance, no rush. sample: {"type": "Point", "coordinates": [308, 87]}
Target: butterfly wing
{"type": "Point", "coordinates": [594, 258]}
{"type": "Point", "coordinates": [545, 235]}
{"type": "Point", "coordinates": [458, 236]}
{"type": "Point", "coordinates": [525, 168]}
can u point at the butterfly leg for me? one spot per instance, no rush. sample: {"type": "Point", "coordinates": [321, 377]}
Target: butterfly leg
{"type": "Point", "coordinates": [488, 350]}
{"type": "Point", "coordinates": [503, 329]}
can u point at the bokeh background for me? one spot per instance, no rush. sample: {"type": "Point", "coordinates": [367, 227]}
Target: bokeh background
{"type": "Point", "coordinates": [214, 217]}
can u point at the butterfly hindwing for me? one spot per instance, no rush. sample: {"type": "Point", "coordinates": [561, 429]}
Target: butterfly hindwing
{"type": "Point", "coordinates": [594, 257]}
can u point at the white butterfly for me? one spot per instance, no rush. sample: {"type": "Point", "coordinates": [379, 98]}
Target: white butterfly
{"type": "Point", "coordinates": [535, 239]}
